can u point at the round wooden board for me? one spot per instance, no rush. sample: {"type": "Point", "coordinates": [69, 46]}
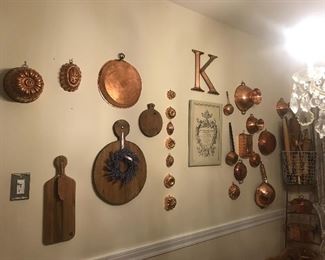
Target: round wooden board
{"type": "Point", "coordinates": [115, 193]}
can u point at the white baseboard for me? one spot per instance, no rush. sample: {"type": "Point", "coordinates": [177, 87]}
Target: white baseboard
{"type": "Point", "coordinates": [189, 239]}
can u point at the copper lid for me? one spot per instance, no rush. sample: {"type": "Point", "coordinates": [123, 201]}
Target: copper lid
{"type": "Point", "coordinates": [119, 83]}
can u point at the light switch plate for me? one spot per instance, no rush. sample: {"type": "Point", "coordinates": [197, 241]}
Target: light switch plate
{"type": "Point", "coordinates": [19, 189]}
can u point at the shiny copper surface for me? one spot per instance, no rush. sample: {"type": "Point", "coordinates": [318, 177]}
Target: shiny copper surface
{"type": "Point", "coordinates": [200, 71]}
{"type": "Point", "coordinates": [266, 142]}
{"type": "Point", "coordinates": [119, 83]}
{"type": "Point", "coordinates": [234, 191]}
{"type": "Point", "coordinates": [170, 113]}
{"type": "Point", "coordinates": [70, 76]}
{"type": "Point", "coordinates": [253, 125]}
{"type": "Point", "coordinates": [170, 143]}
{"type": "Point", "coordinates": [170, 128]}
{"type": "Point", "coordinates": [170, 202]}
{"type": "Point", "coordinates": [169, 181]}
{"type": "Point", "coordinates": [23, 84]}
{"type": "Point", "coordinates": [240, 171]}
{"type": "Point", "coordinates": [171, 94]}
{"type": "Point", "coordinates": [169, 160]}
{"type": "Point", "coordinates": [254, 159]}
{"type": "Point", "coordinates": [282, 107]}
{"type": "Point", "coordinates": [245, 145]}
{"type": "Point", "coordinates": [245, 97]}
{"type": "Point", "coordinates": [265, 193]}
{"type": "Point", "coordinates": [231, 157]}
{"type": "Point", "coordinates": [228, 109]}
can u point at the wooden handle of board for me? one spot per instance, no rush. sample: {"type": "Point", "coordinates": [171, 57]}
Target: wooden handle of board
{"type": "Point", "coordinates": [60, 163]}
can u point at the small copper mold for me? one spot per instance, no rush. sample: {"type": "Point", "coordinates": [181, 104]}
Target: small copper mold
{"type": "Point", "coordinates": [169, 160]}
{"type": "Point", "coordinates": [170, 113]}
{"type": "Point", "coordinates": [170, 202]}
{"type": "Point", "coordinates": [282, 107]}
{"type": "Point", "coordinates": [253, 125]}
{"type": "Point", "coordinates": [70, 76]}
{"type": "Point", "coordinates": [170, 143]}
{"type": "Point", "coordinates": [234, 191]}
{"type": "Point", "coordinates": [254, 159]}
{"type": "Point", "coordinates": [169, 181]}
{"type": "Point", "coordinates": [171, 94]}
{"type": "Point", "coordinates": [170, 128]}
{"type": "Point", "coordinates": [23, 84]}
{"type": "Point", "coordinates": [245, 97]}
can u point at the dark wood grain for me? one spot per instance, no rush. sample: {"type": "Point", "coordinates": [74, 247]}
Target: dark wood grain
{"type": "Point", "coordinates": [59, 206]}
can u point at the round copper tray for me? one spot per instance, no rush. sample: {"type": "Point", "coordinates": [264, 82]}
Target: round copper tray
{"type": "Point", "coordinates": [119, 83]}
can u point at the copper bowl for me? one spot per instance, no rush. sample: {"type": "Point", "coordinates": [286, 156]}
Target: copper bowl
{"type": "Point", "coordinates": [254, 159]}
{"type": "Point", "coordinates": [266, 142]}
{"type": "Point", "coordinates": [245, 97]}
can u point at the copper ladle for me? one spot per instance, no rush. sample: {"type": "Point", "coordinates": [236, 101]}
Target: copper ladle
{"type": "Point", "coordinates": [232, 156]}
{"type": "Point", "coordinates": [228, 109]}
{"type": "Point", "coordinates": [265, 193]}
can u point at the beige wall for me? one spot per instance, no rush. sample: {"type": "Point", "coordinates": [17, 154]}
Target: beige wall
{"type": "Point", "coordinates": [157, 38]}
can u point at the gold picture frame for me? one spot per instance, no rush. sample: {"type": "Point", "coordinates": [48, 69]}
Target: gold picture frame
{"type": "Point", "coordinates": [204, 135]}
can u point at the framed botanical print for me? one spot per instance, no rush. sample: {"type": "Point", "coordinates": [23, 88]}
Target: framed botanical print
{"type": "Point", "coordinates": [205, 126]}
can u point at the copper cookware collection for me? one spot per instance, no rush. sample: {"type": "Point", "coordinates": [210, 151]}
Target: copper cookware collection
{"type": "Point", "coordinates": [232, 156]}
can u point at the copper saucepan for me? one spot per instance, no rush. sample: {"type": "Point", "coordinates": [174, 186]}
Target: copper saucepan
{"type": "Point", "coordinates": [228, 109]}
{"type": "Point", "coordinates": [265, 193]}
{"type": "Point", "coordinates": [232, 156]}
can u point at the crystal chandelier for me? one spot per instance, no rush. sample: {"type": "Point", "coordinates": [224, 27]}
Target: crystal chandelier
{"type": "Point", "coordinates": [306, 42]}
{"type": "Point", "coordinates": [308, 98]}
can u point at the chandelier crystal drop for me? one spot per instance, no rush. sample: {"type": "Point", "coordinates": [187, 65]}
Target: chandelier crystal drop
{"type": "Point", "coordinates": [308, 92]}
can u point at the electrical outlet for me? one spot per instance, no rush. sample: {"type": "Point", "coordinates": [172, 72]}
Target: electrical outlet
{"type": "Point", "coordinates": [19, 188]}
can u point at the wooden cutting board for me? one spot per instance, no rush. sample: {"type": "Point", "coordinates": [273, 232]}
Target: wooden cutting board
{"type": "Point", "coordinates": [113, 192]}
{"type": "Point", "coordinates": [59, 205]}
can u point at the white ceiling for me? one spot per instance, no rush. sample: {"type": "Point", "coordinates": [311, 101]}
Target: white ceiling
{"type": "Point", "coordinates": [263, 18]}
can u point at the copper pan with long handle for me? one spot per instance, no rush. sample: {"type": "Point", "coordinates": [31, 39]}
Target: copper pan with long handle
{"type": "Point", "coordinates": [232, 156]}
{"type": "Point", "coordinates": [265, 193]}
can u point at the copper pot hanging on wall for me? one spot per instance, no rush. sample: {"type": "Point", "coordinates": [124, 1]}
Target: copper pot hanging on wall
{"type": "Point", "coordinates": [265, 193]}
{"type": "Point", "coordinates": [245, 97]}
{"type": "Point", "coordinates": [253, 125]}
{"type": "Point", "coordinates": [23, 84]}
{"type": "Point", "coordinates": [266, 142]}
{"type": "Point", "coordinates": [119, 83]}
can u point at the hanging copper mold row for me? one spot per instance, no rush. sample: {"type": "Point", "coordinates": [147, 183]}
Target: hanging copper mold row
{"type": "Point", "coordinates": [170, 113]}
{"type": "Point", "coordinates": [245, 97]}
{"type": "Point", "coordinates": [70, 76]}
{"type": "Point", "coordinates": [150, 121]}
{"type": "Point", "coordinates": [253, 125]}
{"type": "Point", "coordinates": [170, 202]}
{"type": "Point", "coordinates": [169, 161]}
{"type": "Point", "coordinates": [228, 109]}
{"type": "Point", "coordinates": [169, 181]}
{"type": "Point", "coordinates": [23, 84]}
{"type": "Point", "coordinates": [233, 191]}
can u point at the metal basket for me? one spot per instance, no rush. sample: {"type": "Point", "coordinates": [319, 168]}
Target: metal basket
{"type": "Point", "coordinates": [299, 167]}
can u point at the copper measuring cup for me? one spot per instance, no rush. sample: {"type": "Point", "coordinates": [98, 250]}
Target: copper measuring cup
{"type": "Point", "coordinates": [228, 109]}
{"type": "Point", "coordinates": [232, 156]}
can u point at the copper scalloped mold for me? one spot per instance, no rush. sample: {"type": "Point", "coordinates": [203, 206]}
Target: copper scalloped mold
{"type": "Point", "coordinates": [70, 76]}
